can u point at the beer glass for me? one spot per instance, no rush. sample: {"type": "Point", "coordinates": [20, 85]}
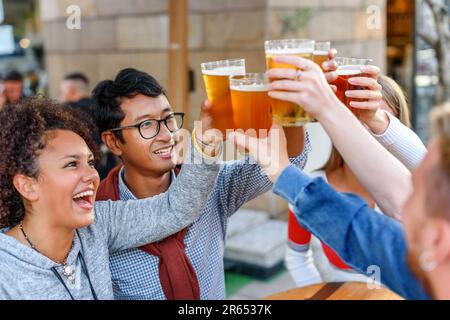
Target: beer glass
{"type": "Point", "coordinates": [321, 50]}
{"type": "Point", "coordinates": [286, 113]}
{"type": "Point", "coordinates": [251, 104]}
{"type": "Point", "coordinates": [349, 68]}
{"type": "Point", "coordinates": [216, 77]}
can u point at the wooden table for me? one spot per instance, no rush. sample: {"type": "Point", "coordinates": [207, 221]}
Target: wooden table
{"type": "Point", "coordinates": [336, 291]}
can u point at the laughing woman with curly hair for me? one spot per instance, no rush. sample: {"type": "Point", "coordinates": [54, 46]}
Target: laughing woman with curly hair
{"type": "Point", "coordinates": [55, 242]}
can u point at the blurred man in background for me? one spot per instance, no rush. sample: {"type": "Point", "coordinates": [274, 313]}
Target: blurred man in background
{"type": "Point", "coordinates": [11, 91]}
{"type": "Point", "coordinates": [74, 90]}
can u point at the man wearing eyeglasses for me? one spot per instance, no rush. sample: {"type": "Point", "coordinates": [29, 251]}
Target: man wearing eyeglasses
{"type": "Point", "coordinates": [138, 125]}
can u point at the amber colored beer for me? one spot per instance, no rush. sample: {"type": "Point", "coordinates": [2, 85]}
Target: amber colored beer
{"type": "Point", "coordinates": [349, 68]}
{"type": "Point", "coordinates": [320, 57]}
{"type": "Point", "coordinates": [342, 84]}
{"type": "Point", "coordinates": [321, 50]}
{"type": "Point", "coordinates": [251, 104]}
{"type": "Point", "coordinates": [216, 77]}
{"type": "Point", "coordinates": [285, 113]}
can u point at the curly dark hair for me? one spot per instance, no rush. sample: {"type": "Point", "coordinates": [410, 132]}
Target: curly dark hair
{"type": "Point", "coordinates": [24, 128]}
{"type": "Point", "coordinates": [108, 93]}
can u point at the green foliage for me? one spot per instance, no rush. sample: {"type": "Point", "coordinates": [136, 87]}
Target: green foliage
{"type": "Point", "coordinates": [294, 20]}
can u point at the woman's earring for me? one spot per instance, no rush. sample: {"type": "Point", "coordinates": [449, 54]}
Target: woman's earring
{"type": "Point", "coordinates": [425, 262]}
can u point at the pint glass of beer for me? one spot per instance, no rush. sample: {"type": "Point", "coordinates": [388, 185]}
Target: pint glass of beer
{"type": "Point", "coordinates": [349, 68]}
{"type": "Point", "coordinates": [251, 104]}
{"type": "Point", "coordinates": [321, 50]}
{"type": "Point", "coordinates": [286, 113]}
{"type": "Point", "coordinates": [216, 76]}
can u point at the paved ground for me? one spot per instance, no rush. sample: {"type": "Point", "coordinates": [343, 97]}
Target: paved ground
{"type": "Point", "coordinates": [251, 289]}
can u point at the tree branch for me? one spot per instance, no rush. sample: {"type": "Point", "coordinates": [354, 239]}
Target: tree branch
{"type": "Point", "coordinates": [441, 19]}
{"type": "Point", "coordinates": [431, 41]}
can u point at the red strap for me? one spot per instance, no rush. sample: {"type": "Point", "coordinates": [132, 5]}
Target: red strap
{"type": "Point", "coordinates": [176, 273]}
{"type": "Point", "coordinates": [334, 258]}
{"type": "Point", "coordinates": [296, 233]}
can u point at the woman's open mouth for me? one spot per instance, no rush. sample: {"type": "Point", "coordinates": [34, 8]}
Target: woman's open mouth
{"type": "Point", "coordinates": [85, 199]}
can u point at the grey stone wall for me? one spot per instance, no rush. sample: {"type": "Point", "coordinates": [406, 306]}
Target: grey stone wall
{"type": "Point", "coordinates": [116, 34]}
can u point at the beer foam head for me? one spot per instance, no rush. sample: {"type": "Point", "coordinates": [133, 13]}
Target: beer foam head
{"type": "Point", "coordinates": [320, 53]}
{"type": "Point", "coordinates": [288, 51]}
{"type": "Point", "coordinates": [225, 71]}
{"type": "Point", "coordinates": [350, 70]}
{"type": "Point", "coordinates": [254, 87]}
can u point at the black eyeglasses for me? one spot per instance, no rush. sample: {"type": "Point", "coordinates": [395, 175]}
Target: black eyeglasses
{"type": "Point", "coordinates": [150, 128]}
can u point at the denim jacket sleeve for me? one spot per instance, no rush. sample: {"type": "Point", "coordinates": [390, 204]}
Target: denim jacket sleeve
{"type": "Point", "coordinates": [359, 235]}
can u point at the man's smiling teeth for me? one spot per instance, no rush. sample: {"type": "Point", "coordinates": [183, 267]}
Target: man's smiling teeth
{"type": "Point", "coordinates": [163, 151]}
{"type": "Point", "coordinates": [84, 194]}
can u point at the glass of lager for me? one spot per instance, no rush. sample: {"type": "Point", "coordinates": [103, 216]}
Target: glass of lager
{"type": "Point", "coordinates": [286, 113]}
{"type": "Point", "coordinates": [321, 50]}
{"type": "Point", "coordinates": [251, 104]}
{"type": "Point", "coordinates": [216, 77]}
{"type": "Point", "coordinates": [349, 68]}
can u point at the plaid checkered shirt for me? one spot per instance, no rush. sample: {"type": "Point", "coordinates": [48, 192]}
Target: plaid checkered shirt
{"type": "Point", "coordinates": [135, 273]}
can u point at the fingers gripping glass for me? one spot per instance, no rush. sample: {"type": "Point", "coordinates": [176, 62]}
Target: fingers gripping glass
{"type": "Point", "coordinates": [150, 128]}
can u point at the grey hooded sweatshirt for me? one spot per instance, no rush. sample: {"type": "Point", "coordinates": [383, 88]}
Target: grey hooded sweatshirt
{"type": "Point", "coordinates": [118, 225]}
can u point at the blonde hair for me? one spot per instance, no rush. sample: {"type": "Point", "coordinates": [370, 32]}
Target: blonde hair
{"type": "Point", "coordinates": [395, 98]}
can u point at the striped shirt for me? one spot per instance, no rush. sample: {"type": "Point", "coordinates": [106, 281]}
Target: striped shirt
{"type": "Point", "coordinates": [402, 143]}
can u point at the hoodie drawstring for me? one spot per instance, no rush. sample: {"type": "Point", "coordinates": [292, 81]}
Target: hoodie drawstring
{"type": "Point", "coordinates": [85, 271]}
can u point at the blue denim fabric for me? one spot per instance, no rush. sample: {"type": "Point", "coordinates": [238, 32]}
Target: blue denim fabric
{"type": "Point", "coordinates": [360, 236]}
